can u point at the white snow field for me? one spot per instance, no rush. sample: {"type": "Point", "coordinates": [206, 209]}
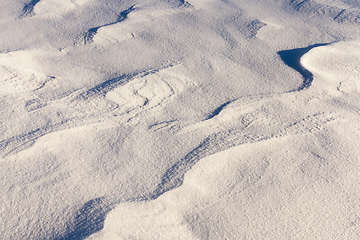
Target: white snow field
{"type": "Point", "coordinates": [173, 119]}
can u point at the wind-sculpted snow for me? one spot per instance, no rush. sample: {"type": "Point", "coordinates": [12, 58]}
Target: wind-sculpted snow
{"type": "Point", "coordinates": [336, 10]}
{"type": "Point", "coordinates": [117, 96]}
{"type": "Point", "coordinates": [135, 93]}
{"type": "Point", "coordinates": [179, 120]}
{"type": "Point", "coordinates": [131, 27]}
{"type": "Point", "coordinates": [224, 140]}
{"type": "Point", "coordinates": [50, 7]}
{"type": "Point", "coordinates": [116, 32]}
{"type": "Point", "coordinates": [89, 219]}
{"type": "Point", "coordinates": [292, 59]}
{"type": "Point", "coordinates": [266, 119]}
{"type": "Point", "coordinates": [109, 85]}
{"type": "Point", "coordinates": [18, 143]}
{"type": "Point", "coordinates": [89, 35]}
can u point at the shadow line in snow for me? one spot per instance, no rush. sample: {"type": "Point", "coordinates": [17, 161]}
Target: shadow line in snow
{"type": "Point", "coordinates": [28, 9]}
{"type": "Point", "coordinates": [89, 219]}
{"type": "Point", "coordinates": [221, 141]}
{"type": "Point", "coordinates": [218, 110]}
{"type": "Point", "coordinates": [105, 87]}
{"type": "Point", "coordinates": [292, 59]}
{"type": "Point", "coordinates": [89, 35]}
{"type": "Point", "coordinates": [224, 140]}
{"type": "Point", "coordinates": [21, 142]}
{"type": "Point", "coordinates": [91, 216]}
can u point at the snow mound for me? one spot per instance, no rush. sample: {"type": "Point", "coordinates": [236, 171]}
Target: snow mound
{"type": "Point", "coordinates": [20, 74]}
{"type": "Point", "coordinates": [336, 67]}
{"type": "Point", "coordinates": [131, 27]}
{"type": "Point", "coordinates": [265, 174]}
{"type": "Point", "coordinates": [54, 8]}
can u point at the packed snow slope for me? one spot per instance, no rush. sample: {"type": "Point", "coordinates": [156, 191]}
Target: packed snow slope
{"type": "Point", "coordinates": [169, 119]}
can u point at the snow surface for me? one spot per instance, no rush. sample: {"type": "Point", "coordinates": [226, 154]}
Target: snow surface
{"type": "Point", "coordinates": [180, 120]}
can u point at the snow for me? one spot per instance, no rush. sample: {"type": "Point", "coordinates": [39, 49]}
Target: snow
{"type": "Point", "coordinates": [179, 120]}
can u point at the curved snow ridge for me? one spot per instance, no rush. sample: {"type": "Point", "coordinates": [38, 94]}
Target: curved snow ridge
{"type": "Point", "coordinates": [211, 171]}
{"type": "Point", "coordinates": [90, 34]}
{"type": "Point", "coordinates": [328, 70]}
{"type": "Point", "coordinates": [334, 66]}
{"type": "Point", "coordinates": [136, 18]}
{"type": "Point", "coordinates": [132, 27]}
{"type": "Point", "coordinates": [292, 59]}
{"type": "Point", "coordinates": [224, 140]}
{"type": "Point", "coordinates": [55, 8]}
{"type": "Point", "coordinates": [50, 8]}
{"type": "Point", "coordinates": [167, 217]}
